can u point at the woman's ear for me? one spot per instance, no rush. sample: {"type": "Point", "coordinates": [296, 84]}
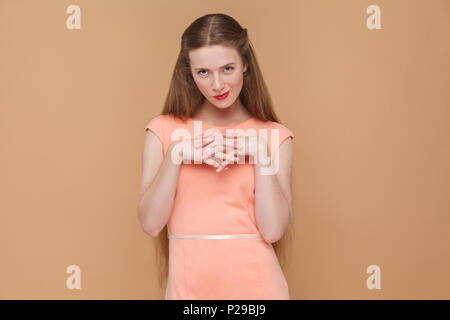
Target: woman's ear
{"type": "Point", "coordinates": [245, 68]}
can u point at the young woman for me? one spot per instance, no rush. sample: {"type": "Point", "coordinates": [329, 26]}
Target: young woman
{"type": "Point", "coordinates": [215, 189]}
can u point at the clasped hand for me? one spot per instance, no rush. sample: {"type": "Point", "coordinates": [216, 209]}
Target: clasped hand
{"type": "Point", "coordinates": [219, 149]}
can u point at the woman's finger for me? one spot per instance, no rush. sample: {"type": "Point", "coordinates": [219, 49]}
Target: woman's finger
{"type": "Point", "coordinates": [230, 157]}
{"type": "Point", "coordinates": [233, 141]}
{"type": "Point", "coordinates": [202, 142]}
{"type": "Point", "coordinates": [211, 162]}
{"type": "Point", "coordinates": [212, 149]}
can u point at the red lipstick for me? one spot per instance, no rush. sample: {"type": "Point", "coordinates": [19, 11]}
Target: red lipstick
{"type": "Point", "coordinates": [222, 96]}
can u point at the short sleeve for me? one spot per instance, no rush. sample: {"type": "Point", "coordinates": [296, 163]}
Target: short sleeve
{"type": "Point", "coordinates": [156, 125]}
{"type": "Point", "coordinates": [284, 134]}
{"type": "Point", "coordinates": [277, 130]}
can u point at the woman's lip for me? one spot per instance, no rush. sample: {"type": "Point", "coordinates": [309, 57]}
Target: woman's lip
{"type": "Point", "coordinates": [222, 96]}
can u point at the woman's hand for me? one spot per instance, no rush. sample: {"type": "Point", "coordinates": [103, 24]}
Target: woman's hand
{"type": "Point", "coordinates": [204, 148]}
{"type": "Point", "coordinates": [218, 153]}
{"type": "Point", "coordinates": [219, 149]}
{"type": "Point", "coordinates": [241, 146]}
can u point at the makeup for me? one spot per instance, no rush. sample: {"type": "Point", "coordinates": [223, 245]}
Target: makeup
{"type": "Point", "coordinates": [223, 96]}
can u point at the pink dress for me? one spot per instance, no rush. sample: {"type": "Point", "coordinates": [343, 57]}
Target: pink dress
{"type": "Point", "coordinates": [209, 203]}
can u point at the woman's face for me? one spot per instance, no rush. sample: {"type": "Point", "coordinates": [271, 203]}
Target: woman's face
{"type": "Point", "coordinates": [216, 70]}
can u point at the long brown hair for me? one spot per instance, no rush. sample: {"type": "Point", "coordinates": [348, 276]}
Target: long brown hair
{"type": "Point", "coordinates": [184, 98]}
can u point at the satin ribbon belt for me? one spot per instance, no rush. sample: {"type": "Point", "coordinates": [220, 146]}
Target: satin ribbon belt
{"type": "Point", "coordinates": [215, 236]}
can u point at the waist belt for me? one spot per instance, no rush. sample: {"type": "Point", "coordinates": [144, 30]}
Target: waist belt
{"type": "Point", "coordinates": [215, 236]}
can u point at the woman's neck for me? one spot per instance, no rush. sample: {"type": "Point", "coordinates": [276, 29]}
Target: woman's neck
{"type": "Point", "coordinates": [214, 115]}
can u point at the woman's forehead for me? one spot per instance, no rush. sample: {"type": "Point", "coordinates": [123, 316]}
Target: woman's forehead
{"type": "Point", "coordinates": [213, 56]}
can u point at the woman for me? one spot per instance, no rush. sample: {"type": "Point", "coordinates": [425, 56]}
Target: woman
{"type": "Point", "coordinates": [217, 206]}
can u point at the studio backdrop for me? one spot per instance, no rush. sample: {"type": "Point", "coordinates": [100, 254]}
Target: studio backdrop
{"type": "Point", "coordinates": [363, 85]}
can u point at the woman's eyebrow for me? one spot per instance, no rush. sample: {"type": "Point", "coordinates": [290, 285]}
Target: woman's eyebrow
{"type": "Point", "coordinates": [219, 67]}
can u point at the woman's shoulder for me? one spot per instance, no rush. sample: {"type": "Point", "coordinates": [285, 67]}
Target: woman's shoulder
{"type": "Point", "coordinates": [275, 132]}
{"type": "Point", "coordinates": [162, 126]}
{"type": "Point", "coordinates": [164, 120]}
{"type": "Point", "coordinates": [161, 119]}
{"type": "Point", "coordinates": [268, 124]}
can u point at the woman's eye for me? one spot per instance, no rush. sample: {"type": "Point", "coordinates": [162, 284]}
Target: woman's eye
{"type": "Point", "coordinates": [202, 74]}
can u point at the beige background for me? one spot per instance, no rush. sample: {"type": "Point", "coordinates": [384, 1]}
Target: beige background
{"type": "Point", "coordinates": [369, 108]}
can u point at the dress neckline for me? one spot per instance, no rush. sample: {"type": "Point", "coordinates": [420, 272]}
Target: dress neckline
{"type": "Point", "coordinates": [226, 126]}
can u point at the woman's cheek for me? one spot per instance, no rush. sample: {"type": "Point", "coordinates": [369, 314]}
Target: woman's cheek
{"type": "Point", "coordinates": [237, 81]}
{"type": "Point", "coordinates": [202, 86]}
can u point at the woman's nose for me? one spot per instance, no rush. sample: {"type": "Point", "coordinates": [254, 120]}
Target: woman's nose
{"type": "Point", "coordinates": [217, 83]}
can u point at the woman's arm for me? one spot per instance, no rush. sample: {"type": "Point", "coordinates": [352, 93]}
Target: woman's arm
{"type": "Point", "coordinates": [159, 180]}
{"type": "Point", "coordinates": [273, 202]}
